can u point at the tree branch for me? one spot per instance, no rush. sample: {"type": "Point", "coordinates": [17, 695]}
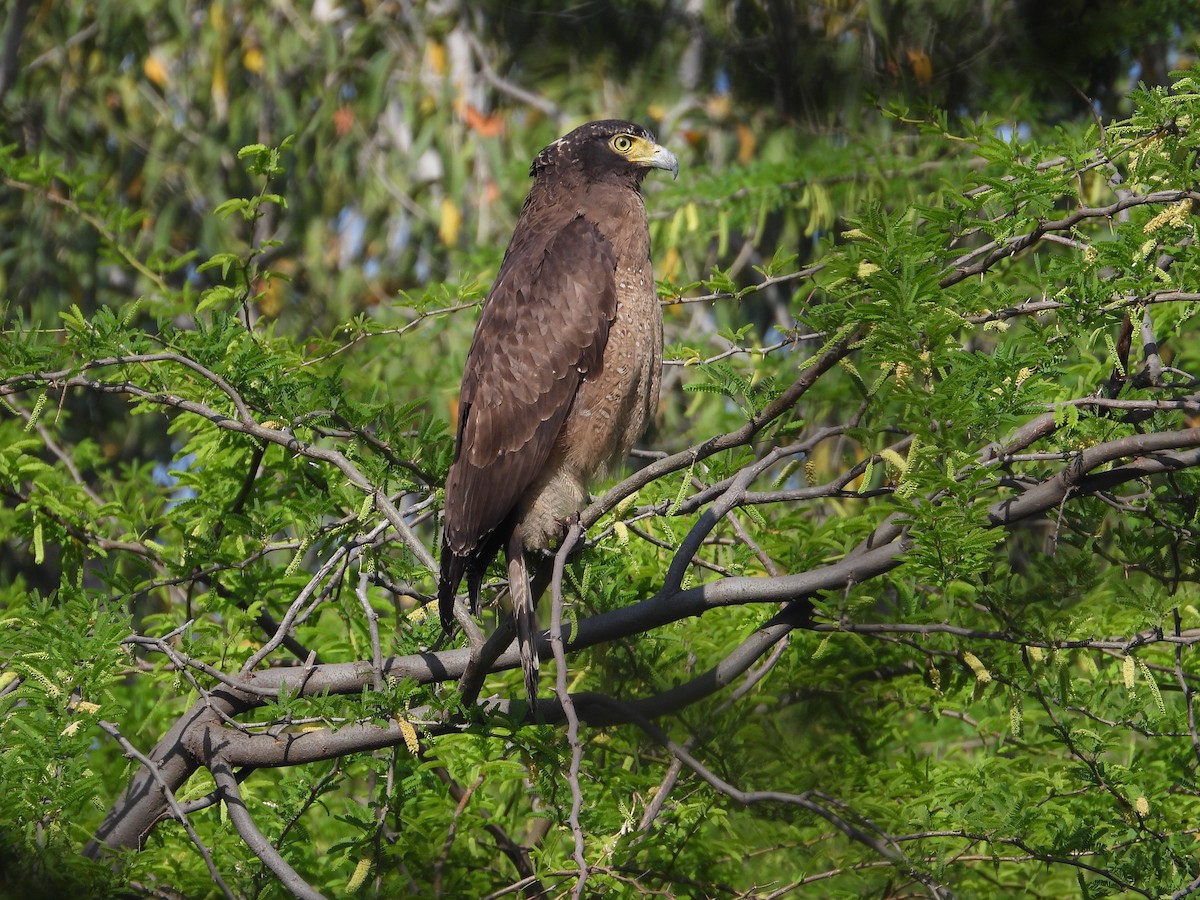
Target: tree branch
{"type": "Point", "coordinates": [255, 840]}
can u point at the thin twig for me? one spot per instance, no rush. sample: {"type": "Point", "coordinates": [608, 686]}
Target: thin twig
{"type": "Point", "coordinates": [173, 804]}
{"type": "Point", "coordinates": [255, 840]}
{"type": "Point", "coordinates": [568, 707]}
{"type": "Point", "coordinates": [372, 618]}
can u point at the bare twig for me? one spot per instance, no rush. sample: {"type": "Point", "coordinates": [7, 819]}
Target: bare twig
{"type": "Point", "coordinates": [826, 360]}
{"type": "Point", "coordinates": [990, 254]}
{"type": "Point", "coordinates": [564, 698]}
{"type": "Point", "coordinates": [255, 840]}
{"type": "Point", "coordinates": [173, 804]}
{"type": "Point", "coordinates": [372, 618]}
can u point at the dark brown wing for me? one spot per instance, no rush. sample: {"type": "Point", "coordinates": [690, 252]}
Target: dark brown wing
{"type": "Point", "coordinates": [543, 329]}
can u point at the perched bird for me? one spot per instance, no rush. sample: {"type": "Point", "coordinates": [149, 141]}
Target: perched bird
{"type": "Point", "coordinates": [563, 372]}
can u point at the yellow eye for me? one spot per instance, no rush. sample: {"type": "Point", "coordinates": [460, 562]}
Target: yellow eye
{"type": "Point", "coordinates": [622, 143]}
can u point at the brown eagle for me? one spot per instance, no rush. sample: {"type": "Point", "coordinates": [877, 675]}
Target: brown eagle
{"type": "Point", "coordinates": [563, 372]}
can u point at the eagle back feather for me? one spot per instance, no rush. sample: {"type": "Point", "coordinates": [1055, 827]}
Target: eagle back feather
{"type": "Point", "coordinates": [542, 330]}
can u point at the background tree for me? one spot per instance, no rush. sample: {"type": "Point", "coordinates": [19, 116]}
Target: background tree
{"type": "Point", "coordinates": [901, 596]}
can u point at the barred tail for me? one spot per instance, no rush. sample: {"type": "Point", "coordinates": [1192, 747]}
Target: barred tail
{"type": "Point", "coordinates": [522, 609]}
{"type": "Point", "coordinates": [523, 617]}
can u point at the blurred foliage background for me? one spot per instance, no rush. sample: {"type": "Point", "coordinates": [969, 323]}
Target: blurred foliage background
{"type": "Point", "coordinates": [414, 125]}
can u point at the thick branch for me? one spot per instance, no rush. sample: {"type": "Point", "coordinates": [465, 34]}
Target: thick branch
{"type": "Point", "coordinates": [878, 553]}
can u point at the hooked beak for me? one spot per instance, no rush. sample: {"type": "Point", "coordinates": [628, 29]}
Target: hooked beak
{"type": "Point", "coordinates": [655, 156]}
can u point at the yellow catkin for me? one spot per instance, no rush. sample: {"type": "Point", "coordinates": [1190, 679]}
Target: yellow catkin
{"type": "Point", "coordinates": [982, 675]}
{"type": "Point", "coordinates": [621, 530]}
{"type": "Point", "coordinates": [361, 871]}
{"type": "Point", "coordinates": [898, 462]}
{"type": "Point", "coordinates": [410, 735]}
{"type": "Point", "coordinates": [1175, 216]}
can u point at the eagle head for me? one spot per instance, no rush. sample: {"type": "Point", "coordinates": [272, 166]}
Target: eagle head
{"type": "Point", "coordinates": [608, 150]}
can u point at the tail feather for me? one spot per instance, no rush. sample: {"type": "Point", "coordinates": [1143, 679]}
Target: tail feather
{"type": "Point", "coordinates": [523, 615]}
{"type": "Point", "coordinates": [469, 559]}
{"type": "Point", "coordinates": [452, 570]}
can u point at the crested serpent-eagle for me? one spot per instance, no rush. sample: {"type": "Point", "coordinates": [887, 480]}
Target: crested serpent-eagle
{"type": "Point", "coordinates": [563, 372]}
